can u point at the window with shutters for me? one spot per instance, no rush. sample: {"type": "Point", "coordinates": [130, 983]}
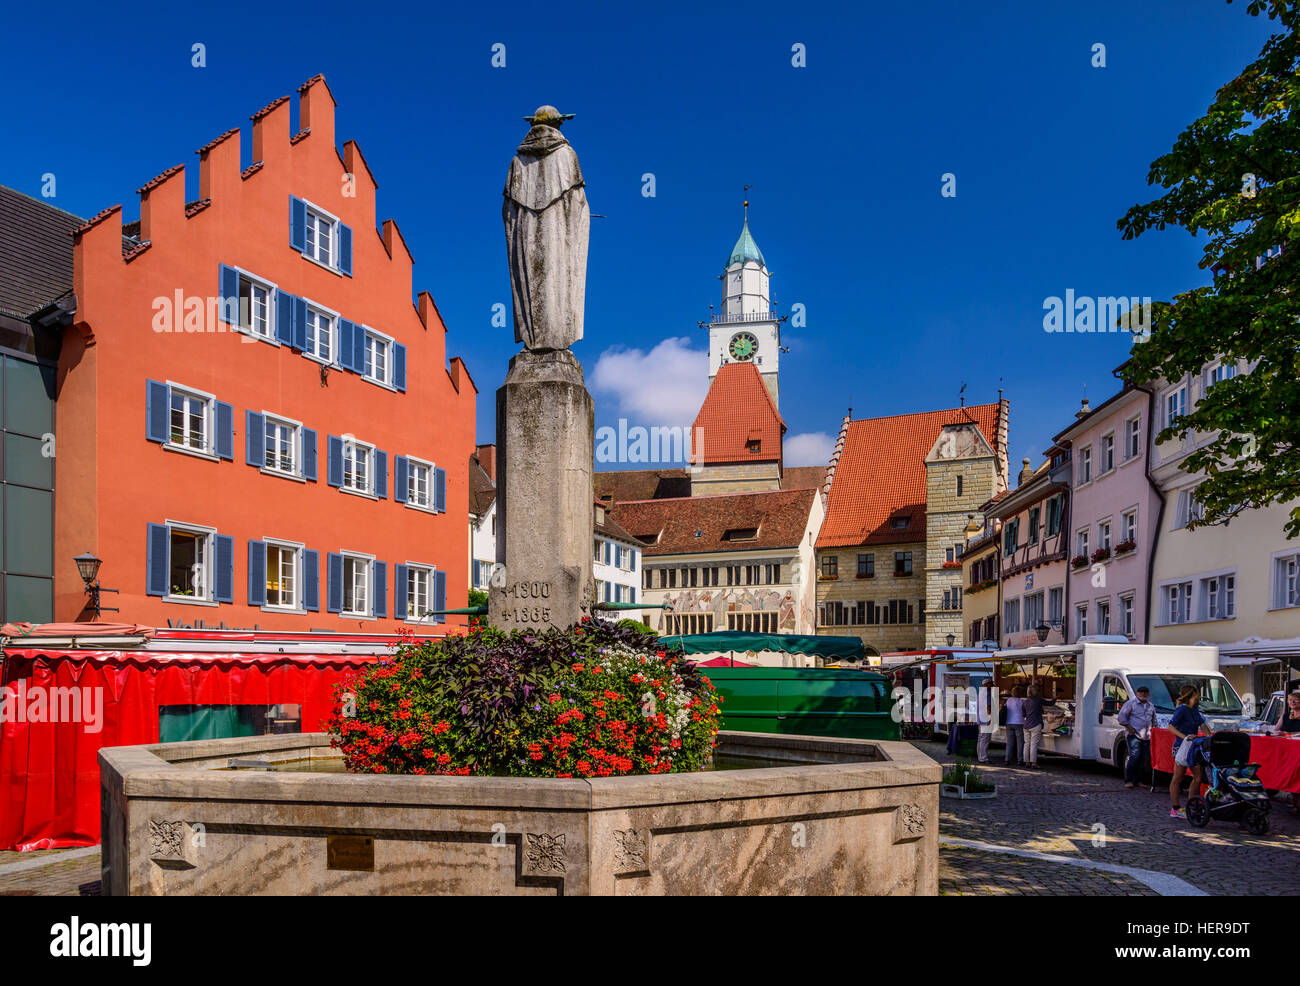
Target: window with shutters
{"type": "Point", "coordinates": [321, 326]}
{"type": "Point", "coordinates": [378, 357]}
{"type": "Point", "coordinates": [357, 595]}
{"type": "Point", "coordinates": [419, 593]}
{"type": "Point", "coordinates": [357, 466]}
{"type": "Point", "coordinates": [419, 485]}
{"type": "Point", "coordinates": [321, 232]}
{"type": "Point", "coordinates": [190, 563]}
{"type": "Point", "coordinates": [257, 306]}
{"type": "Point", "coordinates": [1219, 597]}
{"type": "Point", "coordinates": [283, 574]}
{"type": "Point", "coordinates": [598, 551]}
{"type": "Point", "coordinates": [283, 439]}
{"type": "Point", "coordinates": [192, 420]}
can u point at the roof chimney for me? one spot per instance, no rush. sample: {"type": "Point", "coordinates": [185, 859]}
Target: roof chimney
{"type": "Point", "coordinates": [1026, 473]}
{"type": "Point", "coordinates": [487, 460]}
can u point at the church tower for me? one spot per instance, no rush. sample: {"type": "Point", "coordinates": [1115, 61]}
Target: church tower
{"type": "Point", "coordinates": [746, 330]}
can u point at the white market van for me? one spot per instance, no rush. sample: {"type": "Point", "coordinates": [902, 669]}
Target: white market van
{"type": "Point", "coordinates": [1087, 682]}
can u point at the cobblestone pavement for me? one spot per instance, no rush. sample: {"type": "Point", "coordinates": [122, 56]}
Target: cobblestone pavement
{"type": "Point", "coordinates": [1069, 808]}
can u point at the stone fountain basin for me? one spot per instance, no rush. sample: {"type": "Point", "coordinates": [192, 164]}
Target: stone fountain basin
{"type": "Point", "coordinates": [851, 817]}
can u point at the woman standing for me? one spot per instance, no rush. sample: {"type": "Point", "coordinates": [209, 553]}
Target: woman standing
{"type": "Point", "coordinates": [1186, 723]}
{"type": "Point", "coordinates": [1032, 709]}
{"type": "Point", "coordinates": [1015, 725]}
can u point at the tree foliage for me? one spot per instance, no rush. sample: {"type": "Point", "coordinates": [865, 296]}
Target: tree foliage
{"type": "Point", "coordinates": [1233, 177]}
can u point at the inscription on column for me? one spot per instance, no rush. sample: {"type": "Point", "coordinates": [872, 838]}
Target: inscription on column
{"type": "Point", "coordinates": [526, 603]}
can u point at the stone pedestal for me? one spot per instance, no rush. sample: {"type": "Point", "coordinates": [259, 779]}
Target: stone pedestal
{"type": "Point", "coordinates": [545, 435]}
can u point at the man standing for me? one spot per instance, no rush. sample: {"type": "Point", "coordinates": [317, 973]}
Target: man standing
{"type": "Point", "coordinates": [1136, 716]}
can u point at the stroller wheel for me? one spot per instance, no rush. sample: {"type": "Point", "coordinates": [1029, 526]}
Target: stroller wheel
{"type": "Point", "coordinates": [1256, 821]}
{"type": "Point", "coordinates": [1198, 812]}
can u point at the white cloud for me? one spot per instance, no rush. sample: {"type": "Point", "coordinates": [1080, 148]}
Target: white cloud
{"type": "Point", "coordinates": [812, 448]}
{"type": "Point", "coordinates": [664, 386]}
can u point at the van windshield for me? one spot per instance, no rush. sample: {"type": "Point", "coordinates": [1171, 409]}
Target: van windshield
{"type": "Point", "coordinates": [1217, 696]}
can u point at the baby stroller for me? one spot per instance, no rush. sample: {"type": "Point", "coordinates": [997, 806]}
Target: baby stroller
{"type": "Point", "coordinates": [1235, 794]}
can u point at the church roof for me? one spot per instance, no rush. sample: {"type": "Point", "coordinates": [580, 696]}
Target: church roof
{"type": "Point", "coordinates": [878, 494]}
{"type": "Point", "coordinates": [737, 412]}
{"type": "Point", "coordinates": [746, 249]}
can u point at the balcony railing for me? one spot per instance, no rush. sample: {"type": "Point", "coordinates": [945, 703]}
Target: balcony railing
{"type": "Point", "coordinates": [718, 318]}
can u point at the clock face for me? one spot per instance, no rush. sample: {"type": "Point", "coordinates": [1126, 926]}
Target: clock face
{"type": "Point", "coordinates": [743, 346]}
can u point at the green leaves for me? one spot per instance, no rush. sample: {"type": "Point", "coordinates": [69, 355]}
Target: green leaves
{"type": "Point", "coordinates": [1233, 177]}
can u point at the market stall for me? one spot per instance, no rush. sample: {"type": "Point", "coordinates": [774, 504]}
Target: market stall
{"type": "Point", "coordinates": [1278, 758]}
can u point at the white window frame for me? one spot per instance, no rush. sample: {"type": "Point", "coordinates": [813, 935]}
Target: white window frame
{"type": "Point", "coordinates": [1104, 534]}
{"type": "Point", "coordinates": [209, 576]}
{"type": "Point", "coordinates": [1103, 615]}
{"type": "Point", "coordinates": [1167, 398]}
{"type": "Point", "coordinates": [1085, 466]}
{"type": "Point", "coordinates": [296, 548]}
{"type": "Point", "coordinates": [353, 444]}
{"type": "Point", "coordinates": [1055, 603]}
{"type": "Point", "coordinates": [1107, 453]}
{"type": "Point", "coordinates": [1284, 579]}
{"type": "Point", "coordinates": [1132, 430]}
{"type": "Point", "coordinates": [295, 445]}
{"type": "Point", "coordinates": [1214, 373]}
{"type": "Point", "coordinates": [1127, 604]}
{"type": "Point", "coordinates": [1176, 597]}
{"type": "Point", "coordinates": [1129, 525]}
{"type": "Point", "coordinates": [1223, 595]}
{"type": "Point", "coordinates": [388, 341]}
{"type": "Point", "coordinates": [208, 449]}
{"type": "Point", "coordinates": [368, 587]}
{"type": "Point", "coordinates": [1081, 620]}
{"type": "Point", "coordinates": [414, 569]}
{"type": "Point", "coordinates": [1082, 546]}
{"type": "Point", "coordinates": [312, 350]}
{"type": "Point", "coordinates": [334, 222]}
{"type": "Point", "coordinates": [412, 464]}
{"type": "Point", "coordinates": [272, 306]}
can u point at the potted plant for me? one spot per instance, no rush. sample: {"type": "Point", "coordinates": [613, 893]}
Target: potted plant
{"type": "Point", "coordinates": [1101, 554]}
{"type": "Point", "coordinates": [1124, 547]}
{"type": "Point", "coordinates": [1079, 561]}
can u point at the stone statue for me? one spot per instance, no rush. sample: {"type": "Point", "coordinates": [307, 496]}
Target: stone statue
{"type": "Point", "coordinates": [547, 225]}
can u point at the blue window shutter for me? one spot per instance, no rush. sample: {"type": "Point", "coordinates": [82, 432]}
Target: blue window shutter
{"type": "Point", "coordinates": [400, 479]}
{"type": "Point", "coordinates": [633, 599]}
{"type": "Point", "coordinates": [157, 410]}
{"type": "Point", "coordinates": [257, 573]}
{"type": "Point", "coordinates": [381, 474]}
{"type": "Point", "coordinates": [283, 317]}
{"type": "Point", "coordinates": [228, 290]}
{"type": "Point", "coordinates": [359, 349]}
{"type": "Point", "coordinates": [345, 249]}
{"type": "Point", "coordinates": [440, 490]}
{"type": "Point", "coordinates": [381, 588]}
{"type": "Point", "coordinates": [300, 324]}
{"type": "Point", "coordinates": [399, 366]}
{"type": "Point", "coordinates": [254, 439]}
{"type": "Point", "coordinates": [225, 431]}
{"type": "Point", "coordinates": [156, 564]}
{"type": "Point", "coordinates": [607, 588]}
{"type": "Point", "coordinates": [440, 595]}
{"type": "Point", "coordinates": [334, 461]}
{"type": "Point", "coordinates": [309, 454]}
{"type": "Point", "coordinates": [297, 224]}
{"type": "Point", "coordinates": [346, 331]}
{"type": "Point", "coordinates": [400, 603]}
{"type": "Point", "coordinates": [311, 581]}
{"type": "Point", "coordinates": [609, 554]}
{"type": "Point", "coordinates": [225, 568]}
{"type": "Point", "coordinates": [334, 583]}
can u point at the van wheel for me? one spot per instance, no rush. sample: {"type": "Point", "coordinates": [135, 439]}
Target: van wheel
{"type": "Point", "coordinates": [1121, 755]}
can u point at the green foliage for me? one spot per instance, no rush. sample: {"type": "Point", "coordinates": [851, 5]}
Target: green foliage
{"type": "Point", "coordinates": [595, 700]}
{"type": "Point", "coordinates": [1233, 178]}
{"type": "Point", "coordinates": [963, 775]}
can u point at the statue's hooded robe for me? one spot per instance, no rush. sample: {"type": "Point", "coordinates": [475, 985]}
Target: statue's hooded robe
{"type": "Point", "coordinates": [547, 224]}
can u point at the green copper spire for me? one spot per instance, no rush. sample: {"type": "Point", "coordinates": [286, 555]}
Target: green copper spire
{"type": "Point", "coordinates": [746, 249]}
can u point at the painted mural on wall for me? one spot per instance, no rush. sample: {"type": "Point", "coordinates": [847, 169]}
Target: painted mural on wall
{"type": "Point", "coordinates": [721, 601]}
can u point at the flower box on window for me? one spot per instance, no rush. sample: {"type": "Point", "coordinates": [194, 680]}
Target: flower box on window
{"type": "Point", "coordinates": [1078, 561]}
{"type": "Point", "coordinates": [1101, 554]}
{"type": "Point", "coordinates": [952, 564]}
{"type": "Point", "coordinates": [1124, 547]}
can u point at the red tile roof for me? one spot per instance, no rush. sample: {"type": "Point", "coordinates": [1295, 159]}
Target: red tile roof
{"type": "Point", "coordinates": [669, 526]}
{"type": "Point", "coordinates": [153, 183]}
{"type": "Point", "coordinates": [801, 477]}
{"type": "Point", "coordinates": [268, 107]}
{"type": "Point", "coordinates": [881, 475]}
{"type": "Point", "coordinates": [642, 484]}
{"type": "Point", "coordinates": [738, 410]}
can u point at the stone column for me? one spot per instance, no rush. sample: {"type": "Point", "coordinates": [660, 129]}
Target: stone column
{"type": "Point", "coordinates": [545, 435]}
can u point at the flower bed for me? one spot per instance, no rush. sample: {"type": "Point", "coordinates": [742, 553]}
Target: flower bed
{"type": "Point", "coordinates": [596, 700]}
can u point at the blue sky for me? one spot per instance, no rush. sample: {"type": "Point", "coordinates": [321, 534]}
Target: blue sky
{"type": "Point", "coordinates": [907, 293]}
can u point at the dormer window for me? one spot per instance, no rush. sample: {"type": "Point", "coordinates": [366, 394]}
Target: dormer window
{"type": "Point", "coordinates": [900, 523]}
{"type": "Point", "coordinates": [600, 515]}
{"type": "Point", "coordinates": [741, 534]}
{"type": "Point", "coordinates": [754, 445]}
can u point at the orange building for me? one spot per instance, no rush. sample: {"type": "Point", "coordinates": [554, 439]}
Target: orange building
{"type": "Point", "coordinates": [256, 426]}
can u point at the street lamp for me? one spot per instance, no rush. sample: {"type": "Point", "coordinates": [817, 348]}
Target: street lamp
{"type": "Point", "coordinates": [951, 639]}
{"type": "Point", "coordinates": [88, 569]}
{"type": "Point", "coordinates": [1046, 627]}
